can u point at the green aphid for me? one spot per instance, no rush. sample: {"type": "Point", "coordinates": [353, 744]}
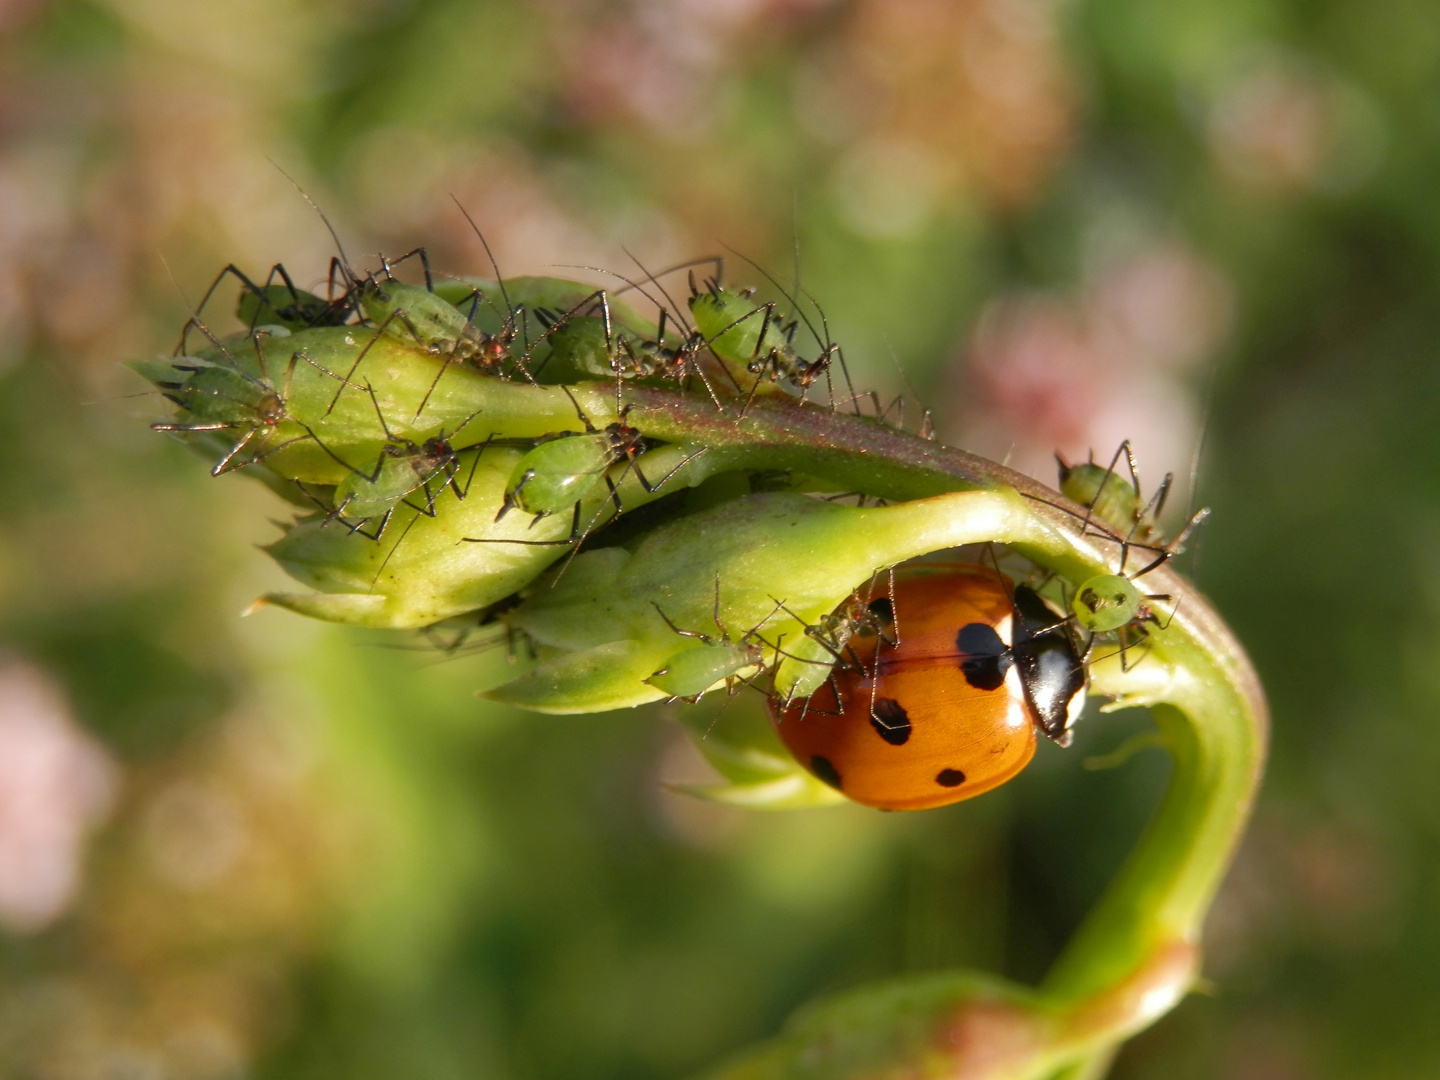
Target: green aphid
{"type": "Point", "coordinates": [403, 467]}
{"type": "Point", "coordinates": [1106, 602]}
{"type": "Point", "coordinates": [555, 475]}
{"type": "Point", "coordinates": [416, 314]}
{"type": "Point", "coordinates": [225, 397]}
{"type": "Point", "coordinates": [736, 329]}
{"type": "Point", "coordinates": [1120, 508]}
{"type": "Point", "coordinates": [559, 474]}
{"type": "Point", "coordinates": [743, 333]}
{"type": "Point", "coordinates": [580, 348]}
{"type": "Point", "coordinates": [689, 673]}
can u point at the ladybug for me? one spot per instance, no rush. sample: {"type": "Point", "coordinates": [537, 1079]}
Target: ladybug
{"type": "Point", "coordinates": [948, 708]}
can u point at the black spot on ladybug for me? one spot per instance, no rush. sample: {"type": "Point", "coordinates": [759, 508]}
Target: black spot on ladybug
{"type": "Point", "coordinates": [950, 778]}
{"type": "Point", "coordinates": [822, 768]}
{"type": "Point", "coordinates": [889, 718]}
{"type": "Point", "coordinates": [985, 657]}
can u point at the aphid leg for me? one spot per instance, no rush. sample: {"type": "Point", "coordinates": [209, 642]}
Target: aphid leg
{"type": "Point", "coordinates": [422, 255]}
{"type": "Point", "coordinates": [1170, 550]}
{"type": "Point", "coordinates": [574, 536]}
{"type": "Point", "coordinates": [651, 488]}
{"type": "Point", "coordinates": [705, 639]}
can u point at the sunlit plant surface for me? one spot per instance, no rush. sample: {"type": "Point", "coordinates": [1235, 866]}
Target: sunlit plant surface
{"type": "Point", "coordinates": [657, 509]}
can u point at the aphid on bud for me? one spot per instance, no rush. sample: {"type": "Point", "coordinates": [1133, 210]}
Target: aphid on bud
{"type": "Point", "coordinates": [418, 315]}
{"type": "Point", "coordinates": [223, 396]}
{"type": "Point", "coordinates": [1116, 511]}
{"type": "Point", "coordinates": [759, 339]}
{"type": "Point", "coordinates": [595, 344]}
{"type": "Point", "coordinates": [563, 473]}
{"type": "Point", "coordinates": [689, 673]}
{"type": "Point", "coordinates": [1120, 507]}
{"type": "Point", "coordinates": [403, 467]}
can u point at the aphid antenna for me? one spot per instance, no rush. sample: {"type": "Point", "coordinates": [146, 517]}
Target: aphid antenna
{"type": "Point", "coordinates": [629, 284]}
{"type": "Point", "coordinates": [342, 262]}
{"type": "Point", "coordinates": [494, 265]}
{"type": "Point", "coordinates": [795, 241]}
{"type": "Point", "coordinates": [1174, 547]}
{"type": "Point", "coordinates": [1099, 529]}
{"type": "Point", "coordinates": [660, 305]}
{"type": "Point", "coordinates": [335, 236]}
{"type": "Point", "coordinates": [669, 300]}
{"type": "Point", "coordinates": [514, 318]}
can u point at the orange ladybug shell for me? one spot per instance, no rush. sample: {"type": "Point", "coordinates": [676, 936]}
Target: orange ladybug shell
{"type": "Point", "coordinates": [931, 737]}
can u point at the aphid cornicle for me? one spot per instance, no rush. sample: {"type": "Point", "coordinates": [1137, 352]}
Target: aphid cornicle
{"type": "Point", "coordinates": [949, 708]}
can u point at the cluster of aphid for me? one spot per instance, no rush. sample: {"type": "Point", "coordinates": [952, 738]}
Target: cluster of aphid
{"type": "Point", "coordinates": [449, 441]}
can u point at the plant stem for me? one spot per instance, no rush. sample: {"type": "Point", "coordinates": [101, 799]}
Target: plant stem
{"type": "Point", "coordinates": [1137, 953]}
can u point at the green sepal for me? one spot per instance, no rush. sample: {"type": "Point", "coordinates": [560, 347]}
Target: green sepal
{"type": "Point", "coordinates": [429, 568]}
{"type": "Point", "coordinates": [420, 569]}
{"type": "Point", "coordinates": [755, 768]}
{"type": "Point", "coordinates": [598, 679]}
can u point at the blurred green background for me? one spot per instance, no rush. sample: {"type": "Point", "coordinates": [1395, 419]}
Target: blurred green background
{"type": "Point", "coordinates": [271, 848]}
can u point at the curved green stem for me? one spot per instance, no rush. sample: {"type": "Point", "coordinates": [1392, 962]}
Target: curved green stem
{"type": "Point", "coordinates": [1137, 953]}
